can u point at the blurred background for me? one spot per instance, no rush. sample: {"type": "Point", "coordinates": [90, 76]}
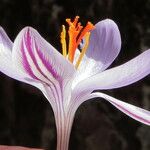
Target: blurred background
{"type": "Point", "coordinates": [26, 118]}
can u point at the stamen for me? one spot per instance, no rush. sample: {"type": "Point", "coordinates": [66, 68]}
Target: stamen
{"type": "Point", "coordinates": [87, 37]}
{"type": "Point", "coordinates": [69, 21]}
{"type": "Point", "coordinates": [63, 41]}
{"type": "Point", "coordinates": [89, 26]}
{"type": "Point", "coordinates": [79, 27]}
{"type": "Point", "coordinates": [76, 32]}
{"type": "Point", "coordinates": [73, 33]}
{"type": "Point", "coordinates": [76, 20]}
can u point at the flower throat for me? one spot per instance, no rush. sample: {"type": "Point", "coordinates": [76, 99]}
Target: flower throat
{"type": "Point", "coordinates": [76, 32]}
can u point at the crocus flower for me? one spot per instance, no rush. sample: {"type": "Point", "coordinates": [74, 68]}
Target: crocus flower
{"type": "Point", "coordinates": [68, 80]}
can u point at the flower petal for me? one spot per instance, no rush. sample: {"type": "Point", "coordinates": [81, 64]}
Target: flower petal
{"type": "Point", "coordinates": [6, 64]}
{"type": "Point", "coordinates": [31, 53]}
{"type": "Point", "coordinates": [4, 40]}
{"type": "Point", "coordinates": [41, 62]}
{"type": "Point", "coordinates": [120, 76]}
{"type": "Point", "coordinates": [105, 43]}
{"type": "Point", "coordinates": [5, 53]}
{"type": "Point", "coordinates": [104, 47]}
{"type": "Point", "coordinates": [132, 111]}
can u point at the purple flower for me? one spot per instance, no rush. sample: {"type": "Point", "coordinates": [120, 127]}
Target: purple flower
{"type": "Point", "coordinates": [68, 80]}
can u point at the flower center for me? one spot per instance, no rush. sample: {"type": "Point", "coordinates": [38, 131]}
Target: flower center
{"type": "Point", "coordinates": [76, 33]}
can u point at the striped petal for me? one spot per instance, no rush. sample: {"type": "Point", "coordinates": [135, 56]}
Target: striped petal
{"type": "Point", "coordinates": [5, 54]}
{"type": "Point", "coordinates": [104, 47]}
{"type": "Point", "coordinates": [132, 111]}
{"type": "Point", "coordinates": [34, 55]}
{"type": "Point", "coordinates": [120, 76]}
{"type": "Point", "coordinates": [38, 59]}
{"type": "Point", "coordinates": [6, 63]}
{"type": "Point", "coordinates": [105, 43]}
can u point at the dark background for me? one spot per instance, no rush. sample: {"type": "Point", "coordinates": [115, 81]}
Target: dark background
{"type": "Point", "coordinates": [26, 118]}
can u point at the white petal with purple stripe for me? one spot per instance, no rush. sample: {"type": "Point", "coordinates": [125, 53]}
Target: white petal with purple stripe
{"type": "Point", "coordinates": [132, 111]}
{"type": "Point", "coordinates": [120, 76]}
{"type": "Point", "coordinates": [135, 112]}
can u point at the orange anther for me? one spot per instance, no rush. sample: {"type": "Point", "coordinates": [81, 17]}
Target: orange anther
{"type": "Point", "coordinates": [76, 20]}
{"type": "Point", "coordinates": [69, 21]}
{"type": "Point", "coordinates": [76, 33]}
{"type": "Point", "coordinates": [89, 26]}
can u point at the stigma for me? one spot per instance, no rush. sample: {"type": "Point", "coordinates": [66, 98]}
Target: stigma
{"type": "Point", "coordinates": [76, 33]}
